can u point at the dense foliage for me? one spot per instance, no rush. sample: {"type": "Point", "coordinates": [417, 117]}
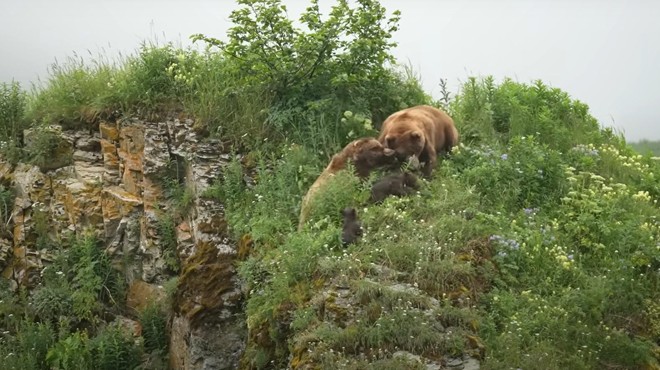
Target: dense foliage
{"type": "Point", "coordinates": [572, 280]}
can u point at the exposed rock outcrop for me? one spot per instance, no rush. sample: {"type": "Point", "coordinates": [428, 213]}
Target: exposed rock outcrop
{"type": "Point", "coordinates": [111, 182]}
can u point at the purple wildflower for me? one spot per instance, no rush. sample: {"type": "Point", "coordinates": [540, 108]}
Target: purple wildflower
{"type": "Point", "coordinates": [530, 211]}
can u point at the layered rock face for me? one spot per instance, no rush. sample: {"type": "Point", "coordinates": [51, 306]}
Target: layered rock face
{"type": "Point", "coordinates": [110, 182]}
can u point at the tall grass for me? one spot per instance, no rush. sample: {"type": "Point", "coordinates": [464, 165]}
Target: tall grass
{"type": "Point", "coordinates": [74, 95]}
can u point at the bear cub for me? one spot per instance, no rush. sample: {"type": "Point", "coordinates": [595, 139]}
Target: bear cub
{"type": "Point", "coordinates": [397, 184]}
{"type": "Point", "coordinates": [352, 229]}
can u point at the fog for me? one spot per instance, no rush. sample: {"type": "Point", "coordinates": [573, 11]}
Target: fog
{"type": "Point", "coordinates": [604, 53]}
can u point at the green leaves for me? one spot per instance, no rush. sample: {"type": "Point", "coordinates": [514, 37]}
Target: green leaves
{"type": "Point", "coordinates": [335, 61]}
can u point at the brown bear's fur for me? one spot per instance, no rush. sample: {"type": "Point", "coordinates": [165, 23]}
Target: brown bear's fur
{"type": "Point", "coordinates": [397, 184]}
{"type": "Point", "coordinates": [422, 131]}
{"type": "Point", "coordinates": [352, 229]}
{"type": "Point", "coordinates": [365, 153]}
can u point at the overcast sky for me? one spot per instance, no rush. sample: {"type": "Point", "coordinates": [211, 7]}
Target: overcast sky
{"type": "Point", "coordinates": [605, 53]}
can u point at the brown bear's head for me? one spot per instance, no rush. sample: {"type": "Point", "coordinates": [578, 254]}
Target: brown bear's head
{"type": "Point", "coordinates": [369, 153]}
{"type": "Point", "coordinates": [406, 143]}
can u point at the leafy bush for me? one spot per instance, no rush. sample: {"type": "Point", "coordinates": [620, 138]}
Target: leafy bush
{"type": "Point", "coordinates": [13, 102]}
{"type": "Point", "coordinates": [486, 110]}
{"type": "Point", "coordinates": [313, 76]}
{"type": "Point", "coordinates": [269, 81]}
{"type": "Point", "coordinates": [27, 349]}
{"type": "Point", "coordinates": [146, 83]}
{"type": "Point", "coordinates": [12, 106]}
{"type": "Point", "coordinates": [167, 233]}
{"type": "Point", "coordinates": [71, 353]}
{"type": "Point", "coordinates": [113, 348]}
{"type": "Point", "coordinates": [525, 175]}
{"type": "Point", "coordinates": [561, 267]}
{"type": "Point", "coordinates": [154, 328]}
{"type": "Point", "coordinates": [280, 184]}
{"type": "Point", "coordinates": [54, 298]}
{"type": "Point", "coordinates": [340, 191]}
{"type": "Point", "coordinates": [78, 283]}
{"type": "Point", "coordinates": [46, 148]}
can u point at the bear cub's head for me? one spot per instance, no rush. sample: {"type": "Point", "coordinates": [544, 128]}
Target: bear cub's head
{"type": "Point", "coordinates": [369, 153]}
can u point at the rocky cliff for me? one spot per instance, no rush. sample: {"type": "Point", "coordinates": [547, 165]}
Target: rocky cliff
{"type": "Point", "coordinates": [112, 182]}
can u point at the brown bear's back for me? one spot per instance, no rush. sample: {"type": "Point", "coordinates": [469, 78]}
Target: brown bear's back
{"type": "Point", "coordinates": [437, 125]}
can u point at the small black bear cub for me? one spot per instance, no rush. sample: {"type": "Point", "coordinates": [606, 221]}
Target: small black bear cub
{"type": "Point", "coordinates": [352, 229]}
{"type": "Point", "coordinates": [398, 184]}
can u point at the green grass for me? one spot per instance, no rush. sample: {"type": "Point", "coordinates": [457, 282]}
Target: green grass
{"type": "Point", "coordinates": [533, 250]}
{"type": "Point", "coordinates": [546, 254]}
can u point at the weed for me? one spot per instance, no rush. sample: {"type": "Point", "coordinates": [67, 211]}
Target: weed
{"type": "Point", "coordinates": [113, 348]}
{"type": "Point", "coordinates": [154, 328]}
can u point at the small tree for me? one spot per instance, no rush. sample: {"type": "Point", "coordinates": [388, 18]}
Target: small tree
{"type": "Point", "coordinates": [352, 45]}
{"type": "Point", "coordinates": [315, 73]}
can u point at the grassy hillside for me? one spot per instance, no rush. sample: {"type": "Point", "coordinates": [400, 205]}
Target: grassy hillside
{"type": "Point", "coordinates": [543, 251]}
{"type": "Point", "coordinates": [536, 244]}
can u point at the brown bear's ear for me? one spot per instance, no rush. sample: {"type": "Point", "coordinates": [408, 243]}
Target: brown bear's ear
{"type": "Point", "coordinates": [388, 152]}
{"type": "Point", "coordinates": [416, 135]}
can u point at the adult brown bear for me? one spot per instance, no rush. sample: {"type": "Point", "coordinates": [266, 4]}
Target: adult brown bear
{"type": "Point", "coordinates": [366, 154]}
{"type": "Point", "coordinates": [423, 131]}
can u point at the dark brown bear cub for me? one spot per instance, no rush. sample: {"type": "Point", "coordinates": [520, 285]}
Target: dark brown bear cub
{"type": "Point", "coordinates": [352, 229]}
{"type": "Point", "coordinates": [397, 184]}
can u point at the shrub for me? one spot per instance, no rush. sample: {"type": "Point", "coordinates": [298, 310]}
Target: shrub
{"type": "Point", "coordinates": [280, 184]}
{"type": "Point", "coordinates": [53, 299]}
{"type": "Point", "coordinates": [13, 102]}
{"type": "Point", "coordinates": [28, 348]}
{"type": "Point", "coordinates": [90, 276]}
{"type": "Point", "coordinates": [562, 264]}
{"type": "Point", "coordinates": [147, 84]}
{"type": "Point", "coordinates": [313, 76]}
{"type": "Point", "coordinates": [486, 110]}
{"type": "Point", "coordinates": [167, 232]}
{"type": "Point", "coordinates": [341, 191]}
{"type": "Point", "coordinates": [113, 349]}
{"type": "Point", "coordinates": [525, 175]}
{"type": "Point", "coordinates": [154, 328]}
{"type": "Point", "coordinates": [46, 148]}
{"type": "Point", "coordinates": [71, 353]}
